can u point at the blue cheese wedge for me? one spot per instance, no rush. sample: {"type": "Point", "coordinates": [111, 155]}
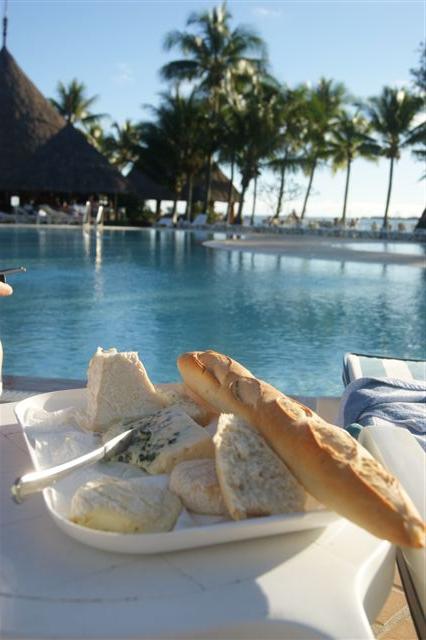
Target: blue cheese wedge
{"type": "Point", "coordinates": [162, 440]}
{"type": "Point", "coordinates": [125, 506]}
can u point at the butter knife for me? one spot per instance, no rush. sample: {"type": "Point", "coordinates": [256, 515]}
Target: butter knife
{"type": "Point", "coordinates": [36, 481]}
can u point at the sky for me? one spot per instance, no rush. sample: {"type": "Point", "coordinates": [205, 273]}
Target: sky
{"type": "Point", "coordinates": [116, 48]}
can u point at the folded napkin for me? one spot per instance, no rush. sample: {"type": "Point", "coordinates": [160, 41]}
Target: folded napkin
{"type": "Point", "coordinates": [385, 402]}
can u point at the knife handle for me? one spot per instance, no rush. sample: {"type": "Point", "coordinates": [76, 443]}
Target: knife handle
{"type": "Point", "coordinates": [36, 481]}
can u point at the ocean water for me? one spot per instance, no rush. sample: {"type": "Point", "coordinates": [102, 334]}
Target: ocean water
{"type": "Point", "coordinates": [289, 320]}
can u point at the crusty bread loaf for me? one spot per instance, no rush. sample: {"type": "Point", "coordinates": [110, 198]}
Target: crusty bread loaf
{"type": "Point", "coordinates": [195, 482]}
{"type": "Point", "coordinates": [176, 393]}
{"type": "Point", "coordinates": [253, 479]}
{"type": "Point", "coordinates": [331, 465]}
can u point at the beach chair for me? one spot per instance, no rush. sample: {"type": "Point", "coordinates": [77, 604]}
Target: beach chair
{"type": "Point", "coordinates": [387, 415]}
{"type": "Point", "coordinates": [200, 220]}
{"type": "Point", "coordinates": [165, 221]}
{"type": "Point", "coordinates": [7, 217]}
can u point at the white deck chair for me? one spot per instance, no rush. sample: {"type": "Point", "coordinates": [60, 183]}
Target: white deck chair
{"type": "Point", "coordinates": [397, 449]}
{"type": "Point", "coordinates": [200, 220]}
{"type": "Point", "coordinates": [165, 221]}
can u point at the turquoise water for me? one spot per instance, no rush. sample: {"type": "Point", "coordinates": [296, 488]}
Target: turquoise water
{"type": "Point", "coordinates": [289, 320]}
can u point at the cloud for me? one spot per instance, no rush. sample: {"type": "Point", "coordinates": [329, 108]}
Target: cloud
{"type": "Point", "coordinates": [266, 12]}
{"type": "Point", "coordinates": [123, 74]}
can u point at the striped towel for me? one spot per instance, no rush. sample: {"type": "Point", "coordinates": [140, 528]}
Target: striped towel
{"type": "Point", "coordinates": [384, 391]}
{"type": "Point", "coordinates": [385, 402]}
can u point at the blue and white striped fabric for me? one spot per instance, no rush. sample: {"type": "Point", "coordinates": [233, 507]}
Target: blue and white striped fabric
{"type": "Point", "coordinates": [384, 392]}
{"type": "Point", "coordinates": [359, 365]}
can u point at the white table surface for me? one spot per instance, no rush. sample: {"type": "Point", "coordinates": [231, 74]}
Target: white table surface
{"type": "Point", "coordinates": [326, 583]}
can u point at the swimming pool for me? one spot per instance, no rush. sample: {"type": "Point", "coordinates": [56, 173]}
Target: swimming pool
{"type": "Point", "coordinates": [288, 319]}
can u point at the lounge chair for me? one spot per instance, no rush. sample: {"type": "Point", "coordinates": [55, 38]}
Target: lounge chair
{"type": "Point", "coordinates": [7, 217]}
{"type": "Point", "coordinates": [165, 221]}
{"type": "Point", "coordinates": [200, 220]}
{"type": "Point", "coordinates": [389, 395]}
{"type": "Point", "coordinates": [47, 214]}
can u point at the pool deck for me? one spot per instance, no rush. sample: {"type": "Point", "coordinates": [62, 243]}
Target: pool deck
{"type": "Point", "coordinates": [320, 248]}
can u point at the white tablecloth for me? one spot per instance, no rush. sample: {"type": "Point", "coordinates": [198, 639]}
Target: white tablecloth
{"type": "Point", "coordinates": [321, 583]}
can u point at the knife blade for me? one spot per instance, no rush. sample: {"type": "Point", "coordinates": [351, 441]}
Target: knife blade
{"type": "Point", "coordinates": [35, 481]}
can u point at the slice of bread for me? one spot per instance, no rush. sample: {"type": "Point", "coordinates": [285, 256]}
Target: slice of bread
{"type": "Point", "coordinates": [178, 394]}
{"type": "Point", "coordinates": [195, 482]}
{"type": "Point", "coordinates": [118, 387]}
{"type": "Point", "coordinates": [162, 440]}
{"type": "Point", "coordinates": [125, 506]}
{"type": "Point", "coordinates": [253, 479]}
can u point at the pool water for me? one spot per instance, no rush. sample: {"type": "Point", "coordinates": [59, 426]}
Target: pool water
{"type": "Point", "coordinates": [290, 320]}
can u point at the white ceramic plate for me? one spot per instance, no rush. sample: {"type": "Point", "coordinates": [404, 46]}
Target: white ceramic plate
{"type": "Point", "coordinates": [53, 436]}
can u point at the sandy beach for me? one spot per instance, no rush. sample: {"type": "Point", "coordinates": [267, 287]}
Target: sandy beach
{"type": "Point", "coordinates": [320, 248]}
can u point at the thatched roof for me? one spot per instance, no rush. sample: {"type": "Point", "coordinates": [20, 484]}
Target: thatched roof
{"type": "Point", "coordinates": [67, 163]}
{"type": "Point", "coordinates": [148, 189]}
{"type": "Point", "coordinates": [39, 151]}
{"type": "Point", "coordinates": [421, 224]}
{"type": "Point", "coordinates": [219, 187]}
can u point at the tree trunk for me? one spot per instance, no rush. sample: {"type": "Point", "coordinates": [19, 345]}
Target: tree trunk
{"type": "Point", "coordinates": [385, 217]}
{"type": "Point", "coordinates": [230, 186]}
{"type": "Point", "coordinates": [345, 200]}
{"type": "Point", "coordinates": [208, 181]}
{"type": "Point", "coordinates": [239, 217]}
{"type": "Point", "coordinates": [174, 210]}
{"type": "Point", "coordinates": [254, 201]}
{"type": "Point", "coordinates": [281, 191]}
{"type": "Point", "coordinates": [190, 182]}
{"type": "Point", "coordinates": [311, 178]}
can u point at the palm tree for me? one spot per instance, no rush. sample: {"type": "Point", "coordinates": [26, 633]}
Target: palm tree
{"type": "Point", "coordinates": [257, 122]}
{"type": "Point", "coordinates": [173, 146]}
{"type": "Point", "coordinates": [292, 119]}
{"type": "Point", "coordinates": [392, 116]}
{"type": "Point", "coordinates": [418, 137]}
{"type": "Point", "coordinates": [215, 57]}
{"type": "Point", "coordinates": [323, 108]}
{"type": "Point", "coordinates": [419, 74]}
{"type": "Point", "coordinates": [122, 146]}
{"type": "Point", "coordinates": [74, 105]}
{"type": "Point", "coordinates": [350, 140]}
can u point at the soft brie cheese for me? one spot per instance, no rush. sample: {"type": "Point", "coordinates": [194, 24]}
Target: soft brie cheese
{"type": "Point", "coordinates": [118, 387]}
{"type": "Point", "coordinates": [125, 506]}
{"type": "Point", "coordinates": [162, 440]}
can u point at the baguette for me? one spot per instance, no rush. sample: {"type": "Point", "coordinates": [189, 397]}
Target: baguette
{"type": "Point", "coordinates": [327, 461]}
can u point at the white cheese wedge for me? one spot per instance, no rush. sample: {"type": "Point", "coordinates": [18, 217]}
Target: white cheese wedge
{"type": "Point", "coordinates": [125, 506]}
{"type": "Point", "coordinates": [118, 387]}
{"type": "Point", "coordinates": [195, 483]}
{"type": "Point", "coordinates": [162, 440]}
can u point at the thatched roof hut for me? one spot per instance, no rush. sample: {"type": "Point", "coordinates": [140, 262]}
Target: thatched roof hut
{"type": "Point", "coordinates": [148, 189]}
{"type": "Point", "coordinates": [220, 186]}
{"type": "Point", "coordinates": [40, 152]}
